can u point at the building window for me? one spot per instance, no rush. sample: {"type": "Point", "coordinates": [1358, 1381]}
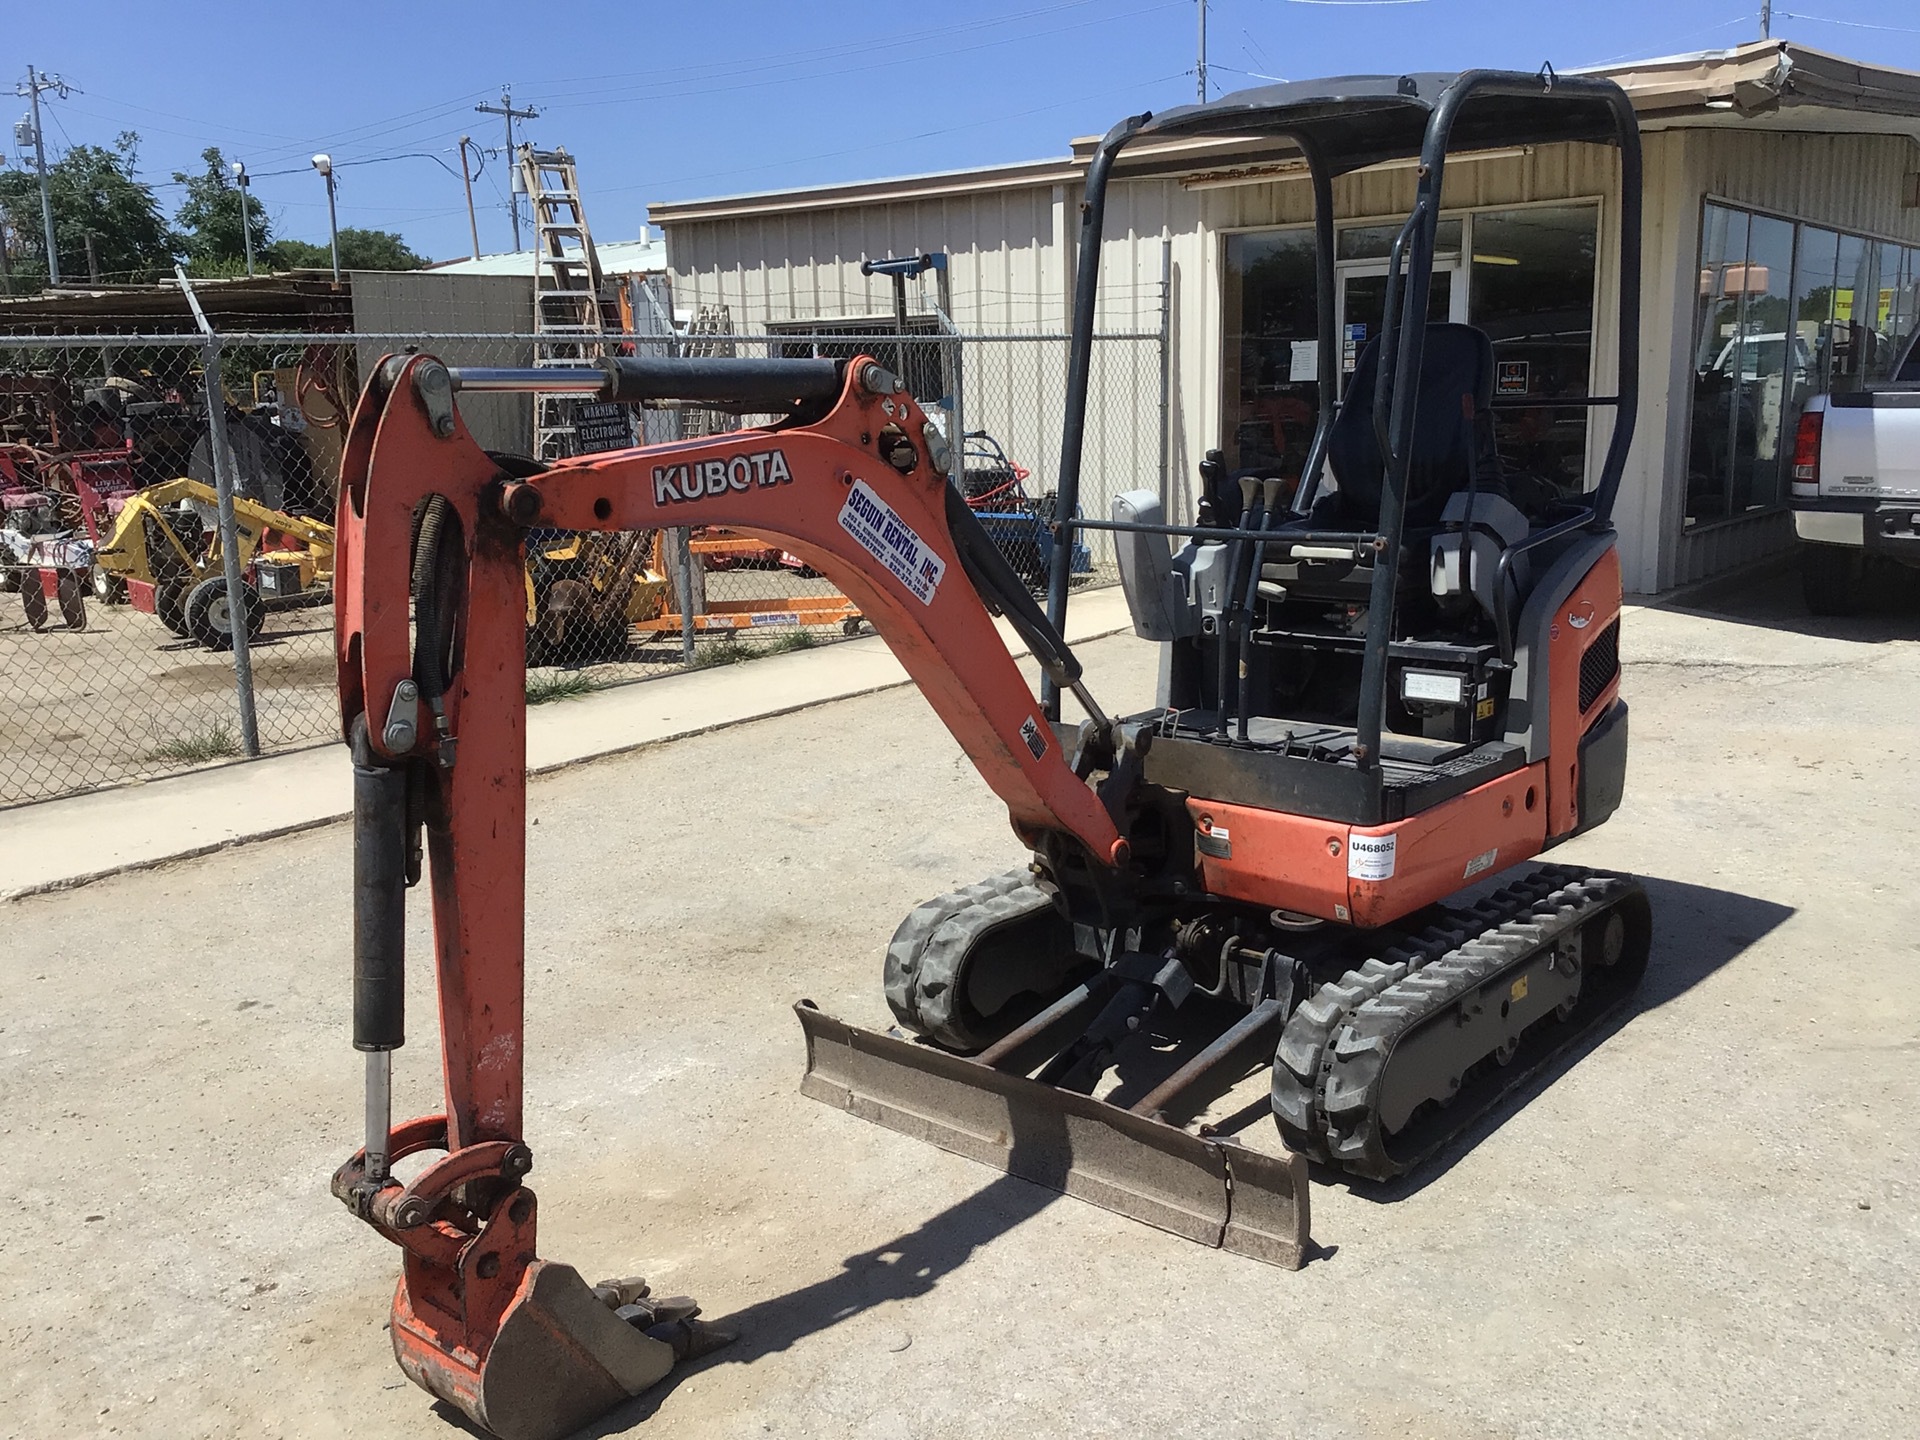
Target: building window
{"type": "Point", "coordinates": [1786, 311]}
{"type": "Point", "coordinates": [1270, 367]}
{"type": "Point", "coordinates": [1532, 288]}
{"type": "Point", "coordinates": [1525, 276]}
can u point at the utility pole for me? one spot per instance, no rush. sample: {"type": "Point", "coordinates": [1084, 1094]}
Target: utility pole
{"type": "Point", "coordinates": [6, 256]}
{"type": "Point", "coordinates": [1766, 19]}
{"type": "Point", "coordinates": [93, 263]}
{"type": "Point", "coordinates": [1202, 6]}
{"type": "Point", "coordinates": [473, 225]}
{"type": "Point", "coordinates": [505, 107]}
{"type": "Point", "coordinates": [239, 169]}
{"type": "Point", "coordinates": [34, 84]}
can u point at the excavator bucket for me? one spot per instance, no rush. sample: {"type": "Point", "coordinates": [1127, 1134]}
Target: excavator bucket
{"type": "Point", "coordinates": [1196, 1186]}
{"type": "Point", "coordinates": [561, 1358]}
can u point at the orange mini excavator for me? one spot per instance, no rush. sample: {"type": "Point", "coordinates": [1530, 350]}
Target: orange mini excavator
{"type": "Point", "coordinates": [1387, 678]}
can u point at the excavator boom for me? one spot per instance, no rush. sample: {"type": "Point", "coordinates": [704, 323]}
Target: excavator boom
{"type": "Point", "coordinates": [430, 634]}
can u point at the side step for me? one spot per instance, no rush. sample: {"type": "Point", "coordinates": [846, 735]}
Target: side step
{"type": "Point", "coordinates": [1204, 1189]}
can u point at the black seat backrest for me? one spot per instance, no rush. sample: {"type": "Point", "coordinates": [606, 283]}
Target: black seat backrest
{"type": "Point", "coordinates": [1452, 429]}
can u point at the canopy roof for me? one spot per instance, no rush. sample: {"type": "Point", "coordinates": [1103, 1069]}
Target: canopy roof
{"type": "Point", "coordinates": [1360, 120]}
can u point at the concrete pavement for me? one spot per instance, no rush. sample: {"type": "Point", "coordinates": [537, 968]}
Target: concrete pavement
{"type": "Point", "coordinates": [1703, 1227]}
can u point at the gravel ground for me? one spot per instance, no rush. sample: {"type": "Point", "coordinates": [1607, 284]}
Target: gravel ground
{"type": "Point", "coordinates": [1704, 1226]}
{"type": "Point", "coordinates": [125, 699]}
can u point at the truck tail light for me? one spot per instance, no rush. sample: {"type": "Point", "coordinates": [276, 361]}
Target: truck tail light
{"type": "Point", "coordinates": [1806, 449]}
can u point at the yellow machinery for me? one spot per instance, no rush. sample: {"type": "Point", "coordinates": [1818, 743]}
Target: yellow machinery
{"type": "Point", "coordinates": [585, 590]}
{"type": "Point", "coordinates": [165, 547]}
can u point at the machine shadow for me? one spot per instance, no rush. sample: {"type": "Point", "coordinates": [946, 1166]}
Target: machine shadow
{"type": "Point", "coordinates": [1697, 930]}
{"type": "Point", "coordinates": [904, 1268]}
{"type": "Point", "coordinates": [1768, 598]}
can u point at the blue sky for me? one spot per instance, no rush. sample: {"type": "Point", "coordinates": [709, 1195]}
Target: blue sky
{"type": "Point", "coordinates": [675, 101]}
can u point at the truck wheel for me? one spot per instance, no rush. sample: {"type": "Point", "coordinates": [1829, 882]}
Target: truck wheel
{"type": "Point", "coordinates": [73, 604]}
{"type": "Point", "coordinates": [170, 605]}
{"type": "Point", "coordinates": [108, 588]}
{"type": "Point", "coordinates": [210, 618]}
{"type": "Point", "coordinates": [34, 600]}
{"type": "Point", "coordinates": [1831, 578]}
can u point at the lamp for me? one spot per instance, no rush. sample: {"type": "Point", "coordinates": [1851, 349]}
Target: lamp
{"type": "Point", "coordinates": [324, 164]}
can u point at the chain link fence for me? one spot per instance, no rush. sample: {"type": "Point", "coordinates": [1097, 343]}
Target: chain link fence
{"type": "Point", "coordinates": [121, 602]}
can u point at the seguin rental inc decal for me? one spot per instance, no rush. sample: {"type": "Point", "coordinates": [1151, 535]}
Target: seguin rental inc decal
{"type": "Point", "coordinates": [892, 542]}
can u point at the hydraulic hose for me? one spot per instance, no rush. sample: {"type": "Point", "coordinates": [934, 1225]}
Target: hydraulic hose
{"type": "Point", "coordinates": [438, 561]}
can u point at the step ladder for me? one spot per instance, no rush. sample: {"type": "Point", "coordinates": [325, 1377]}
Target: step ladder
{"type": "Point", "coordinates": [571, 320]}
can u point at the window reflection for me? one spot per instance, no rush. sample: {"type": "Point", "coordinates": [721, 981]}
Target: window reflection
{"type": "Point", "coordinates": [1531, 288]}
{"type": "Point", "coordinates": [1786, 311]}
{"type": "Point", "coordinates": [1272, 351]}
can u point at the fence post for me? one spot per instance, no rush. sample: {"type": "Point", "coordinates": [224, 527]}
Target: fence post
{"type": "Point", "coordinates": [956, 347]}
{"type": "Point", "coordinates": [214, 392]}
{"type": "Point", "coordinates": [681, 542]}
{"type": "Point", "coordinates": [1166, 370]}
{"type": "Point", "coordinates": [223, 486]}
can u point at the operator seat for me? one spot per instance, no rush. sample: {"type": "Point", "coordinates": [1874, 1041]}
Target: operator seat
{"type": "Point", "coordinates": [1452, 434]}
{"type": "Point", "coordinates": [1459, 514]}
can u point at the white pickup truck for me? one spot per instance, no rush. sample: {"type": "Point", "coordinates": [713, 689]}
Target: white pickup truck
{"type": "Point", "coordinates": [1856, 486]}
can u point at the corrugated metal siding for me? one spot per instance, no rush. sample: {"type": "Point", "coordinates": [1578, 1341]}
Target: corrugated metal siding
{"type": "Point", "coordinates": [421, 302]}
{"type": "Point", "coordinates": [1007, 268]}
{"type": "Point", "coordinates": [1012, 271]}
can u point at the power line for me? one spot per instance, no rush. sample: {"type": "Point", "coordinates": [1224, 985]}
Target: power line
{"type": "Point", "coordinates": [866, 46]}
{"type": "Point", "coordinates": [893, 142]}
{"type": "Point", "coordinates": [1850, 24]}
{"type": "Point", "coordinates": [682, 86]}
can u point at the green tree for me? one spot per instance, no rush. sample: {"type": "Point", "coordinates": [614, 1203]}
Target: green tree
{"type": "Point", "coordinates": [209, 218]}
{"type": "Point", "coordinates": [94, 192]}
{"type": "Point", "coordinates": [359, 250]}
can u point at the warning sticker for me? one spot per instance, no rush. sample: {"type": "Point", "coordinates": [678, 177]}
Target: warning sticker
{"type": "Point", "coordinates": [892, 542]}
{"type": "Point", "coordinates": [1371, 857]}
{"type": "Point", "coordinates": [1036, 741]}
{"type": "Point", "coordinates": [1481, 863]}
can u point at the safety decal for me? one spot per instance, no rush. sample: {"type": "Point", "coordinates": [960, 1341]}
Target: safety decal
{"type": "Point", "coordinates": [892, 542]}
{"type": "Point", "coordinates": [1371, 857]}
{"type": "Point", "coordinates": [1481, 863]}
{"type": "Point", "coordinates": [1036, 741]}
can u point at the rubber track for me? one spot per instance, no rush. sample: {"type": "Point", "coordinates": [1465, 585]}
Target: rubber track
{"type": "Point", "coordinates": [1355, 1064]}
{"type": "Point", "coordinates": [932, 943]}
{"type": "Point", "coordinates": [1303, 1059]}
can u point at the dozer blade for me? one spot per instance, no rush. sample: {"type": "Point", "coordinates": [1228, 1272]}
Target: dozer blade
{"type": "Point", "coordinates": [1217, 1193]}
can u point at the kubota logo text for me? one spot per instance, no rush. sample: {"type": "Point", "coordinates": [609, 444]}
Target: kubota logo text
{"type": "Point", "coordinates": [673, 483]}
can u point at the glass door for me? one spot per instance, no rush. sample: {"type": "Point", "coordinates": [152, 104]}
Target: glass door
{"type": "Point", "coordinates": [1363, 305]}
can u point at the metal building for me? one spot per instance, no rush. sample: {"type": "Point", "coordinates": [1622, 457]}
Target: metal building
{"type": "Point", "coordinates": [1781, 244]}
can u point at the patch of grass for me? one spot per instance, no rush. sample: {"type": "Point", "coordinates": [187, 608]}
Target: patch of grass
{"type": "Point", "coordinates": [726, 648]}
{"type": "Point", "coordinates": [559, 685]}
{"type": "Point", "coordinates": [216, 742]}
{"type": "Point", "coordinates": [792, 640]}
{"type": "Point", "coordinates": [726, 651]}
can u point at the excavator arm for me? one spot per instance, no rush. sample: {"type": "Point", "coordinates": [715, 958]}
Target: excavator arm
{"type": "Point", "coordinates": [430, 637]}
